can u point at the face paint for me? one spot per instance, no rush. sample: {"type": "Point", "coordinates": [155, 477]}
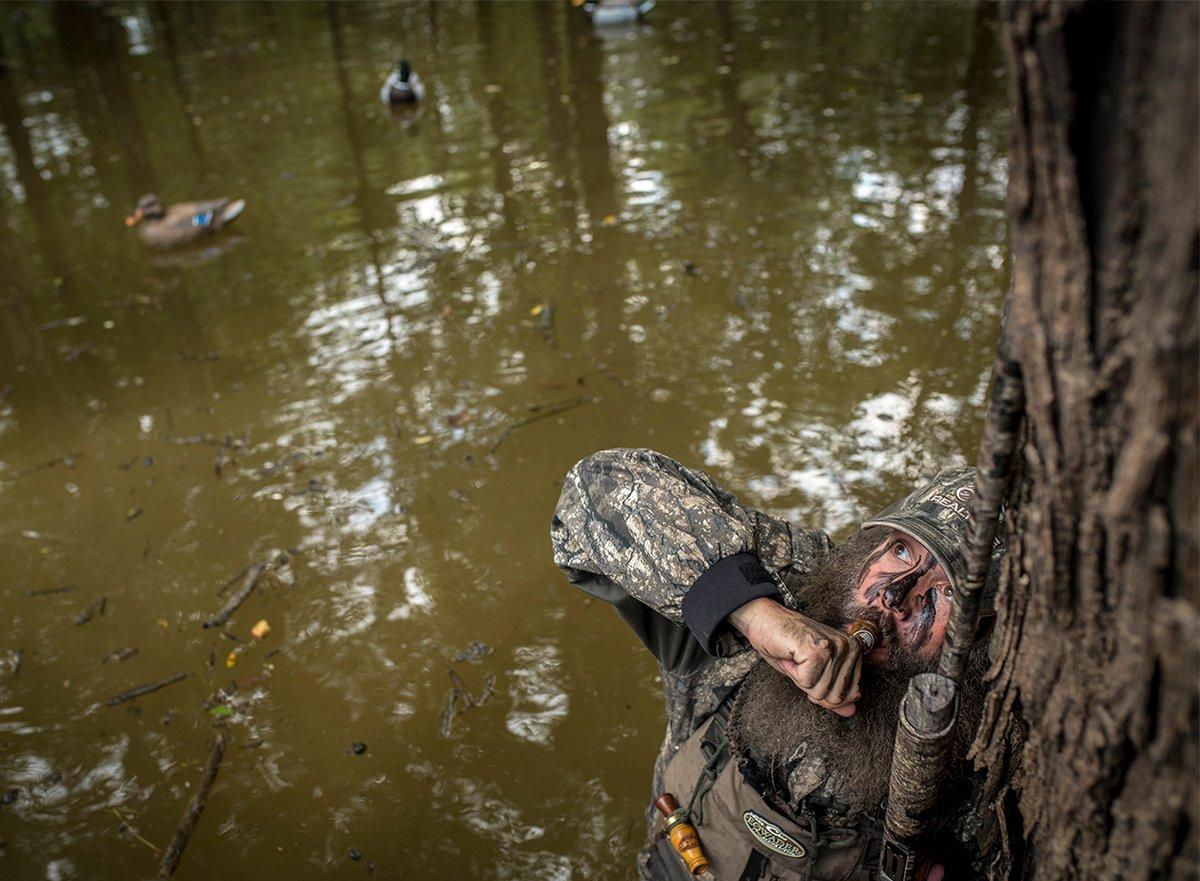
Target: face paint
{"type": "Point", "coordinates": [889, 574]}
{"type": "Point", "coordinates": [872, 559]}
{"type": "Point", "coordinates": [897, 590]}
{"type": "Point", "coordinates": [895, 587]}
{"type": "Point", "coordinates": [922, 625]}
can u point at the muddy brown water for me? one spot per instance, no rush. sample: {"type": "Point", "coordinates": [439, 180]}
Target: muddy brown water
{"type": "Point", "coordinates": [767, 239]}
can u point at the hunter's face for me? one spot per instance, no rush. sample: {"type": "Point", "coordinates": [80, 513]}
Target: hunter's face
{"type": "Point", "coordinates": [908, 592]}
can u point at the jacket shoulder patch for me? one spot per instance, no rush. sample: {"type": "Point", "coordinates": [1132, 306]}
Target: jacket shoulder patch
{"type": "Point", "coordinates": [770, 835]}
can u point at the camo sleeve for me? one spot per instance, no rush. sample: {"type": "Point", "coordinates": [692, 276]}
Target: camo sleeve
{"type": "Point", "coordinates": [637, 524]}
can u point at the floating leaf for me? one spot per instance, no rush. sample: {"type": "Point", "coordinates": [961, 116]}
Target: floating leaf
{"type": "Point", "coordinates": [220, 711]}
{"type": "Point", "coordinates": [231, 659]}
{"type": "Point", "coordinates": [537, 310]}
{"type": "Point", "coordinates": [423, 439]}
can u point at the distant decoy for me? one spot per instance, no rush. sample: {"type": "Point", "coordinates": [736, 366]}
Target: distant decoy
{"type": "Point", "coordinates": [402, 86]}
{"type": "Point", "coordinates": [610, 12]}
{"type": "Point", "coordinates": [168, 226]}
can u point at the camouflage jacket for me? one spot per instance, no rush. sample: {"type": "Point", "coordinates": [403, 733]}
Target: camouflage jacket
{"type": "Point", "coordinates": [639, 530]}
{"type": "Point", "coordinates": [647, 535]}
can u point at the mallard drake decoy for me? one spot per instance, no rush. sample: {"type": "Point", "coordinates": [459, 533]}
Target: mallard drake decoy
{"type": "Point", "coordinates": [610, 12]}
{"type": "Point", "coordinates": [402, 86]}
{"type": "Point", "coordinates": [167, 226]}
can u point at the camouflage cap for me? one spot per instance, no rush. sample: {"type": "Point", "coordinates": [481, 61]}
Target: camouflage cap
{"type": "Point", "coordinates": [936, 515]}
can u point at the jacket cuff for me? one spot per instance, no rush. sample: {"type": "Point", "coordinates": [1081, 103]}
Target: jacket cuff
{"type": "Point", "coordinates": [726, 585]}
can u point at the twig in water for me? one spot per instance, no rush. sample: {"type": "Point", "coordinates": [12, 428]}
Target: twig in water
{"type": "Point", "coordinates": [449, 711]}
{"type": "Point", "coordinates": [68, 460]}
{"type": "Point", "coordinates": [459, 698]}
{"type": "Point", "coordinates": [461, 688]}
{"type": "Point", "coordinates": [121, 654]}
{"type": "Point", "coordinates": [206, 438]}
{"type": "Point", "coordinates": [195, 807]}
{"type": "Point", "coordinates": [46, 591]}
{"type": "Point", "coordinates": [214, 355]}
{"type": "Point", "coordinates": [465, 695]}
{"type": "Point", "coordinates": [489, 690]}
{"type": "Point", "coordinates": [125, 823]}
{"type": "Point", "coordinates": [93, 607]}
{"type": "Point", "coordinates": [143, 689]}
{"type": "Point", "coordinates": [74, 353]}
{"type": "Point", "coordinates": [228, 584]}
{"type": "Point", "coordinates": [73, 321]}
{"type": "Point", "coordinates": [247, 587]}
{"type": "Point", "coordinates": [541, 411]}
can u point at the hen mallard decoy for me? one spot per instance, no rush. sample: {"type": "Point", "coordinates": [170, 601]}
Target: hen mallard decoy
{"type": "Point", "coordinates": [402, 86]}
{"type": "Point", "coordinates": [609, 12]}
{"type": "Point", "coordinates": [167, 226]}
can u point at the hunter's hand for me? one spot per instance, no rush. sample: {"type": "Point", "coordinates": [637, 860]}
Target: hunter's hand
{"type": "Point", "coordinates": [824, 662]}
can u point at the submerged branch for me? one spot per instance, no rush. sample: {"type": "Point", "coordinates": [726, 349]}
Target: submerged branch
{"type": "Point", "coordinates": [94, 607]}
{"type": "Point", "coordinates": [195, 807]}
{"type": "Point", "coordinates": [243, 592]}
{"type": "Point", "coordinates": [144, 689]}
{"type": "Point", "coordinates": [68, 460]}
{"type": "Point", "coordinates": [205, 439]}
{"type": "Point", "coordinates": [541, 411]}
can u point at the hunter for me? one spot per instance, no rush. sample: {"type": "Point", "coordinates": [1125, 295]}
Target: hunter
{"type": "Point", "coordinates": [779, 730]}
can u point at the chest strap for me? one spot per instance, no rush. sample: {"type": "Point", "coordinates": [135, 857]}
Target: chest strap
{"type": "Point", "coordinates": [714, 745]}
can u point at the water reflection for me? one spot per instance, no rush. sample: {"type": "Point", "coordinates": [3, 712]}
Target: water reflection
{"type": "Point", "coordinates": [536, 693]}
{"type": "Point", "coordinates": [765, 238]}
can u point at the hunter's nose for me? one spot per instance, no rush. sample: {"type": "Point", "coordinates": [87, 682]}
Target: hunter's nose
{"type": "Point", "coordinates": [893, 596]}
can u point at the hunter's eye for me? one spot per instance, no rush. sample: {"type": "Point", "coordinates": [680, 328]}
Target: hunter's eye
{"type": "Point", "coordinates": [901, 551]}
{"type": "Point", "coordinates": [947, 591]}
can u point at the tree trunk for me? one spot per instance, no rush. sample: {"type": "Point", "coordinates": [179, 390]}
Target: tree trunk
{"type": "Point", "coordinates": [1090, 734]}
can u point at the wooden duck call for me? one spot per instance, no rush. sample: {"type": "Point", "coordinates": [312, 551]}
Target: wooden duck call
{"type": "Point", "coordinates": [683, 835]}
{"type": "Point", "coordinates": [866, 633]}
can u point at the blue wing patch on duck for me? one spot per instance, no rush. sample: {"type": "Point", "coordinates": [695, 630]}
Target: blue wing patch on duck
{"type": "Point", "coordinates": [167, 226]}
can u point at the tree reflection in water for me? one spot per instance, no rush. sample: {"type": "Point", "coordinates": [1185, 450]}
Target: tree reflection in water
{"type": "Point", "coordinates": [768, 239]}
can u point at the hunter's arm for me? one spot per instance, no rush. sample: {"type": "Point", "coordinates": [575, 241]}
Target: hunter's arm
{"type": "Point", "coordinates": [635, 525]}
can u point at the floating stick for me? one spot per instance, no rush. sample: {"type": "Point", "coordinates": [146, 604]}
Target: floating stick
{"type": "Point", "coordinates": [144, 689]}
{"type": "Point", "coordinates": [195, 807]}
{"type": "Point", "coordinates": [247, 587]}
{"type": "Point", "coordinates": [541, 411]}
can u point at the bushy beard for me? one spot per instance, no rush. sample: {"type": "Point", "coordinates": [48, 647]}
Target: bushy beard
{"type": "Point", "coordinates": [775, 728]}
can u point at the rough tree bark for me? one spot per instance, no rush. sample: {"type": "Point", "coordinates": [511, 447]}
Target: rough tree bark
{"type": "Point", "coordinates": [1090, 735]}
